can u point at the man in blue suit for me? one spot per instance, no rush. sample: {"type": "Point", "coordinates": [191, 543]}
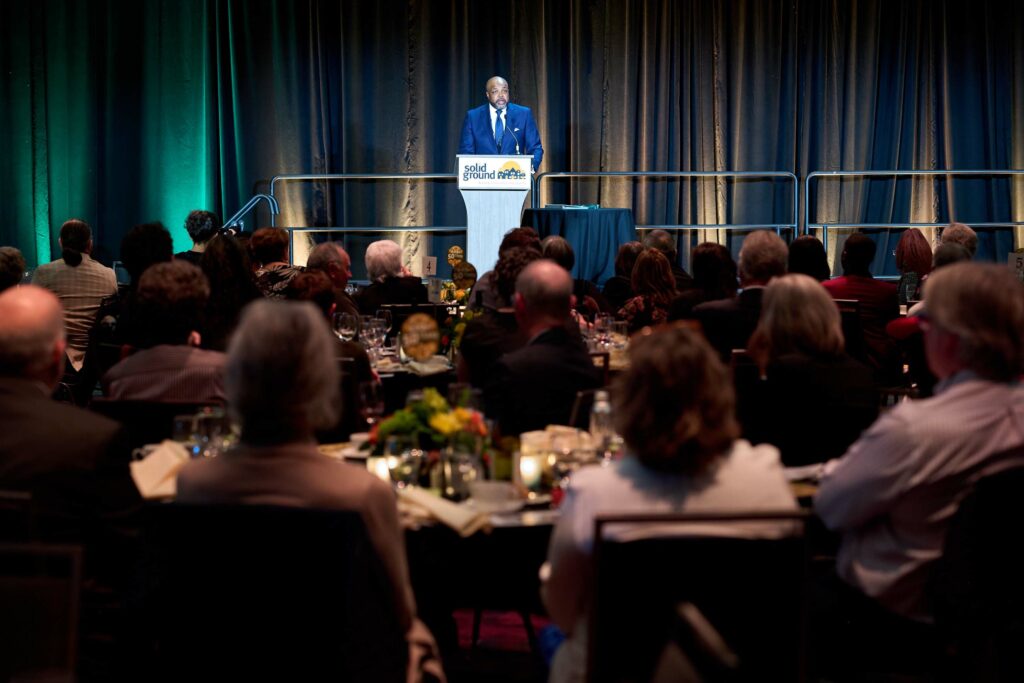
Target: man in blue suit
{"type": "Point", "coordinates": [500, 127]}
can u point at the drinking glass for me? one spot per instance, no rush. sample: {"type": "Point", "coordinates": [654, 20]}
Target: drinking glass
{"type": "Point", "coordinates": [345, 326]}
{"type": "Point", "coordinates": [403, 462]}
{"type": "Point", "coordinates": [620, 334]}
{"type": "Point", "coordinates": [385, 315]}
{"type": "Point", "coordinates": [603, 327]}
{"type": "Point", "coordinates": [371, 402]}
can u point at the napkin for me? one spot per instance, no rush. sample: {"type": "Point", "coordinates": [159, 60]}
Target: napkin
{"type": "Point", "coordinates": [462, 519]}
{"type": "Point", "coordinates": [156, 475]}
{"type": "Point", "coordinates": [431, 366]}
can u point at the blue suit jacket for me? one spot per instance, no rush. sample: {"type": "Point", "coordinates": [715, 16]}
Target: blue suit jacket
{"type": "Point", "coordinates": [478, 136]}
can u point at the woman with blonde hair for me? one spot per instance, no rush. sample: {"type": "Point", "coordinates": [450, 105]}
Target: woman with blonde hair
{"type": "Point", "coordinates": [813, 400]}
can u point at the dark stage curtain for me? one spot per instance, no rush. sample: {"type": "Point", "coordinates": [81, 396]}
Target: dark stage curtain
{"type": "Point", "coordinates": [122, 112]}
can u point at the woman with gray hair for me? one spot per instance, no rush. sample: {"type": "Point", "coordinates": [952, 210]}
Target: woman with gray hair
{"type": "Point", "coordinates": [282, 385]}
{"type": "Point", "coordinates": [800, 350]}
{"type": "Point", "coordinates": [390, 281]}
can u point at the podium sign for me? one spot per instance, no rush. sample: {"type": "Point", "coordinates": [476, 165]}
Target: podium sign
{"type": "Point", "coordinates": [494, 188]}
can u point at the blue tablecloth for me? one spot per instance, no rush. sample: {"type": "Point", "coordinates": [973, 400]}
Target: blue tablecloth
{"type": "Point", "coordinates": [595, 236]}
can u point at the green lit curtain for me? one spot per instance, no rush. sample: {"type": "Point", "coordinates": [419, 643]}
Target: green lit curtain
{"type": "Point", "coordinates": [124, 112]}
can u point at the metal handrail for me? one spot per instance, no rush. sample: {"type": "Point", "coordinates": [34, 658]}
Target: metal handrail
{"type": "Point", "coordinates": [236, 220]}
{"type": "Point", "coordinates": [355, 176]}
{"type": "Point", "coordinates": [794, 225]}
{"type": "Point", "coordinates": [825, 227]}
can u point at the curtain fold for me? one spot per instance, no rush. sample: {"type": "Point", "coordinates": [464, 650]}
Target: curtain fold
{"type": "Point", "coordinates": [120, 113]}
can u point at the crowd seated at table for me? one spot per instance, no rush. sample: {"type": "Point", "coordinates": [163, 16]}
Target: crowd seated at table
{"type": "Point", "coordinates": [746, 377]}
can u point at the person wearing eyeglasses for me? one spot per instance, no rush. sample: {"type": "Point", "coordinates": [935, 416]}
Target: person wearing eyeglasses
{"type": "Point", "coordinates": [500, 127]}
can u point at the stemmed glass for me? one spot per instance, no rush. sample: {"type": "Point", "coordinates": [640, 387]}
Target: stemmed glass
{"type": "Point", "coordinates": [345, 326]}
{"type": "Point", "coordinates": [603, 328]}
{"type": "Point", "coordinates": [371, 402]}
{"type": "Point", "coordinates": [385, 315]}
{"type": "Point", "coordinates": [374, 336]}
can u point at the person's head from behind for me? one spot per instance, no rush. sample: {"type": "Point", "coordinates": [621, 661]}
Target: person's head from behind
{"type": "Point", "coordinates": [556, 248]}
{"type": "Point", "coordinates": [975, 321]}
{"type": "Point", "coordinates": [664, 242]}
{"type": "Point", "coordinates": [75, 240]}
{"type": "Point", "coordinates": [144, 245]}
{"type": "Point", "coordinates": [625, 258]}
{"type": "Point", "coordinates": [507, 270]}
{"type": "Point", "coordinates": [797, 316]}
{"type": "Point", "coordinates": [949, 252]}
{"type": "Point", "coordinates": [12, 267]}
{"type": "Point", "coordinates": [313, 286]}
{"type": "Point", "coordinates": [383, 260]}
{"type": "Point", "coordinates": [858, 253]}
{"type": "Point", "coordinates": [763, 256]}
{"type": "Point", "coordinates": [281, 377]}
{"type": "Point", "coordinates": [913, 253]}
{"type": "Point", "coordinates": [269, 245]}
{"type": "Point", "coordinates": [333, 260]}
{"type": "Point", "coordinates": [674, 404]}
{"type": "Point", "coordinates": [807, 256]}
{"type": "Point", "coordinates": [171, 298]}
{"type": "Point", "coordinates": [32, 340]}
{"type": "Point", "coordinates": [543, 296]}
{"type": "Point", "coordinates": [652, 276]}
{"type": "Point", "coordinates": [519, 237]}
{"type": "Point", "coordinates": [961, 234]}
{"type": "Point", "coordinates": [714, 271]}
{"type": "Point", "coordinates": [202, 226]}
{"type": "Point", "coordinates": [225, 262]}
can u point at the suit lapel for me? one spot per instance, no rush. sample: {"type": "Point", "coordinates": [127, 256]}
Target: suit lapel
{"type": "Point", "coordinates": [486, 132]}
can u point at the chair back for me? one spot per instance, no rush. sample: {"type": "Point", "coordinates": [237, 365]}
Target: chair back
{"type": "Point", "coordinates": [39, 601]}
{"type": "Point", "coordinates": [270, 593]}
{"type": "Point", "coordinates": [853, 329]}
{"type": "Point", "coordinates": [146, 421]}
{"type": "Point", "coordinates": [750, 590]}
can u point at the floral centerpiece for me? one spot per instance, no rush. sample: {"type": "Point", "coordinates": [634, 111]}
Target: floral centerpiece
{"type": "Point", "coordinates": [431, 424]}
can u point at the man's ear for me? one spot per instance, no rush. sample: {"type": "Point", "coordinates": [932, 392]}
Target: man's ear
{"type": "Point", "coordinates": [194, 339]}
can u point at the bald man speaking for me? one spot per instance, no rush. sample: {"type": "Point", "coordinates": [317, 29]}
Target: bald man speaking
{"type": "Point", "coordinates": [500, 127]}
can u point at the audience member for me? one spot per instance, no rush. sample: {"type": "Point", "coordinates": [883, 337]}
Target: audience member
{"type": "Point", "coordinates": [12, 267]}
{"type": "Point", "coordinates": [390, 281]}
{"type": "Point", "coordinates": [878, 302]}
{"type": "Point", "coordinates": [619, 288]}
{"type": "Point", "coordinates": [282, 385]}
{"type": "Point", "coordinates": [798, 346]}
{"type": "Point", "coordinates": [80, 283]}
{"type": "Point", "coordinates": [202, 226]}
{"type": "Point", "coordinates": [536, 385]}
{"type": "Point", "coordinates": [483, 294]}
{"type": "Point", "coordinates": [269, 247]}
{"type": "Point", "coordinates": [714, 279]}
{"type": "Point", "coordinates": [673, 407]}
{"type": "Point", "coordinates": [493, 332]}
{"type": "Point", "coordinates": [225, 262]}
{"type": "Point", "coordinates": [332, 259]}
{"type": "Point", "coordinates": [807, 256]}
{"type": "Point", "coordinates": [892, 494]}
{"type": "Point", "coordinates": [728, 323]}
{"type": "Point", "coordinates": [964, 235]}
{"type": "Point", "coordinates": [69, 456]}
{"type": "Point", "coordinates": [654, 288]}
{"type": "Point", "coordinates": [914, 261]}
{"type": "Point", "coordinates": [169, 367]}
{"type": "Point", "coordinates": [588, 297]}
{"type": "Point", "coordinates": [666, 244]}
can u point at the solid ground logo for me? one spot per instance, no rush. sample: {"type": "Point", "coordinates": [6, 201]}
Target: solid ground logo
{"type": "Point", "coordinates": [511, 171]}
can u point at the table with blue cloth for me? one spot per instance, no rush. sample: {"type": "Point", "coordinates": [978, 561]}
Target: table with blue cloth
{"type": "Point", "coordinates": [595, 236]}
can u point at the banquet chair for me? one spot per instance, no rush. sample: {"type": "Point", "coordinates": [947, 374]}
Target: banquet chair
{"type": "Point", "coordinates": [602, 360]}
{"type": "Point", "coordinates": [853, 331]}
{"type": "Point", "coordinates": [751, 591]}
{"type": "Point", "coordinates": [39, 600]}
{"type": "Point", "coordinates": [975, 589]}
{"type": "Point", "coordinates": [246, 592]}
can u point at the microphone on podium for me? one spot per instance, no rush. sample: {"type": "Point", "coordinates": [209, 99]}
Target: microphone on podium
{"type": "Point", "coordinates": [516, 139]}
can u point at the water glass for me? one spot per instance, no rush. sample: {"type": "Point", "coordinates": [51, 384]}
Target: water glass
{"type": "Point", "coordinates": [371, 402]}
{"type": "Point", "coordinates": [345, 326]}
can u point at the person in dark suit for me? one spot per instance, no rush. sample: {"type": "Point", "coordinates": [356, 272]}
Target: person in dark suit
{"type": "Point", "coordinates": [390, 281]}
{"type": "Point", "coordinates": [330, 258]}
{"type": "Point", "coordinates": [536, 385]}
{"type": "Point", "coordinates": [500, 127]}
{"type": "Point", "coordinates": [74, 462]}
{"type": "Point", "coordinates": [729, 323]}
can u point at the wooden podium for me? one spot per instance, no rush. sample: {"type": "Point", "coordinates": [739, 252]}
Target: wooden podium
{"type": "Point", "coordinates": [494, 188]}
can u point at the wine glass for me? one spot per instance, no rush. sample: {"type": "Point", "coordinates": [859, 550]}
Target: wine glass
{"type": "Point", "coordinates": [345, 325]}
{"type": "Point", "coordinates": [603, 327]}
{"type": "Point", "coordinates": [385, 315]}
{"type": "Point", "coordinates": [371, 402]}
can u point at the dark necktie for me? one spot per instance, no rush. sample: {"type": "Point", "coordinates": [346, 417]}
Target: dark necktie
{"type": "Point", "coordinates": [499, 130]}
